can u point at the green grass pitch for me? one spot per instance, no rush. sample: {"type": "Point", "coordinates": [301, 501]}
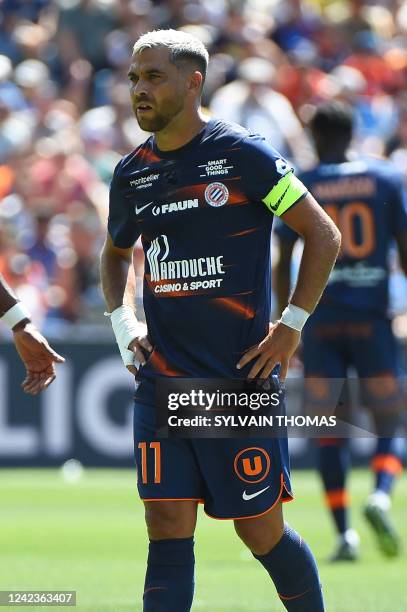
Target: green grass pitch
{"type": "Point", "coordinates": [89, 537]}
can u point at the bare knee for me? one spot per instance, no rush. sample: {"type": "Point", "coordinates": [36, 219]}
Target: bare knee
{"type": "Point", "coordinates": [170, 519]}
{"type": "Point", "coordinates": [261, 534]}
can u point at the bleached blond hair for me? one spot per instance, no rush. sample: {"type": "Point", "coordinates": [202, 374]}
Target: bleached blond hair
{"type": "Point", "coordinates": [183, 47]}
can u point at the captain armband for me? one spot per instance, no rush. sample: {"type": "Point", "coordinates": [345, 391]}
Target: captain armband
{"type": "Point", "coordinates": [287, 192]}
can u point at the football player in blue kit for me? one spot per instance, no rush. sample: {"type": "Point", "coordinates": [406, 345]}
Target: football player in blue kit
{"type": "Point", "coordinates": [350, 327]}
{"type": "Point", "coordinates": [202, 195]}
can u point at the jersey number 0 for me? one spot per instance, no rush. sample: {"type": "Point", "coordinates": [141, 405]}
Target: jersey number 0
{"type": "Point", "coordinates": [345, 218]}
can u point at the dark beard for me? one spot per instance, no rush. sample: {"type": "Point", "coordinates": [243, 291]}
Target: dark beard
{"type": "Point", "coordinates": [160, 121]}
{"type": "Point", "coordinates": [153, 124]}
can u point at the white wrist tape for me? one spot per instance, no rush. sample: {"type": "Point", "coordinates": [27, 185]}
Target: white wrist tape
{"type": "Point", "coordinates": [15, 314]}
{"type": "Point", "coordinates": [126, 328]}
{"type": "Point", "coordinates": [294, 316]}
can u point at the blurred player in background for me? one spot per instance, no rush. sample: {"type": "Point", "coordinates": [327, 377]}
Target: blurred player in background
{"type": "Point", "coordinates": [350, 327]}
{"type": "Point", "coordinates": [200, 193]}
{"type": "Point", "coordinates": [38, 357]}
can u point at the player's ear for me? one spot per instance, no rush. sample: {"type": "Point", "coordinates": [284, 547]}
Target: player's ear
{"type": "Point", "coordinates": [195, 81]}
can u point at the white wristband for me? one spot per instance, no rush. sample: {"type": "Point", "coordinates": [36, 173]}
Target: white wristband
{"type": "Point", "coordinates": [15, 314]}
{"type": "Point", "coordinates": [294, 316]}
{"type": "Point", "coordinates": [126, 328]}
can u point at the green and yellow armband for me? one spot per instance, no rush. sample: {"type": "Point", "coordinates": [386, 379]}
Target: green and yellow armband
{"type": "Point", "coordinates": [287, 192]}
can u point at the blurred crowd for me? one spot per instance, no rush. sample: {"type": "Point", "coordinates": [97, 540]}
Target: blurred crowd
{"type": "Point", "coordinates": [65, 117]}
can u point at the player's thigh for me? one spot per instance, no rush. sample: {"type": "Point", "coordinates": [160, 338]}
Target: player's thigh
{"type": "Point", "coordinates": [170, 519]}
{"type": "Point", "coordinates": [375, 352]}
{"type": "Point", "coordinates": [325, 367]}
{"type": "Point", "coordinates": [262, 533]}
{"type": "Point", "coordinates": [166, 467]}
{"type": "Point", "coordinates": [324, 349]}
{"type": "Point", "coordinates": [377, 362]}
{"type": "Point", "coordinates": [244, 477]}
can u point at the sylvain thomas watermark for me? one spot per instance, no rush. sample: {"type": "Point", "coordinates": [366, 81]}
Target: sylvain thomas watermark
{"type": "Point", "coordinates": [239, 420]}
{"type": "Point", "coordinates": [311, 407]}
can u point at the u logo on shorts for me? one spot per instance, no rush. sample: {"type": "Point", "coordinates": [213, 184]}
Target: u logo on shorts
{"type": "Point", "coordinates": [252, 464]}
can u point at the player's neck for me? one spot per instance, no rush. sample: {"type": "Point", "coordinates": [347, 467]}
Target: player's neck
{"type": "Point", "coordinates": [333, 157]}
{"type": "Point", "coordinates": [180, 131]}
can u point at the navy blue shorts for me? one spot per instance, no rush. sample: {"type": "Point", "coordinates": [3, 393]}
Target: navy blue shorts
{"type": "Point", "coordinates": [334, 341]}
{"type": "Point", "coordinates": [233, 478]}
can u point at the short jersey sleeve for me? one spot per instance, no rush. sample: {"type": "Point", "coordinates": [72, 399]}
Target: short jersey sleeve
{"type": "Point", "coordinates": [121, 226]}
{"type": "Point", "coordinates": [268, 177]}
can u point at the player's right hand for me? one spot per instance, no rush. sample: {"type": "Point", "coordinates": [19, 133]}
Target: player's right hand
{"type": "Point", "coordinates": [141, 347]}
{"type": "Point", "coordinates": [38, 358]}
{"type": "Point", "coordinates": [277, 348]}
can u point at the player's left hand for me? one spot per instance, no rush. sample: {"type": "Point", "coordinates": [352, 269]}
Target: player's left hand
{"type": "Point", "coordinates": [277, 347]}
{"type": "Point", "coordinates": [142, 349]}
{"type": "Point", "coordinates": [38, 358]}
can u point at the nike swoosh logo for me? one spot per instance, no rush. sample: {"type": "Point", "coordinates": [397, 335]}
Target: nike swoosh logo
{"type": "Point", "coordinates": [280, 199]}
{"type": "Point", "coordinates": [247, 496]}
{"type": "Point", "coordinates": [139, 210]}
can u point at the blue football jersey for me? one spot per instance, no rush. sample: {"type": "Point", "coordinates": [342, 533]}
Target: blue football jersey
{"type": "Point", "coordinates": [203, 212]}
{"type": "Point", "coordinates": [365, 199]}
